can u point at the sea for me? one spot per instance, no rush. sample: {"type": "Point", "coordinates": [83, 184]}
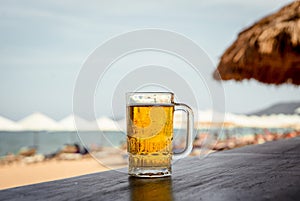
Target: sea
{"type": "Point", "coordinates": [48, 142]}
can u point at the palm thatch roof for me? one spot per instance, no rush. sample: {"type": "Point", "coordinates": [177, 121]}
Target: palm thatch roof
{"type": "Point", "coordinates": [268, 51]}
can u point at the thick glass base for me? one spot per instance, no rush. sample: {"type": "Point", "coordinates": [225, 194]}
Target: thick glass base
{"type": "Point", "coordinates": [149, 173]}
{"type": "Point", "coordinates": [150, 166]}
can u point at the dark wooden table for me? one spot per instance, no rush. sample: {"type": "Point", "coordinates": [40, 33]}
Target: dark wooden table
{"type": "Point", "coordinates": [270, 171]}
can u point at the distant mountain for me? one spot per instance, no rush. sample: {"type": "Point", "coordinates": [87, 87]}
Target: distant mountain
{"type": "Point", "coordinates": [280, 108]}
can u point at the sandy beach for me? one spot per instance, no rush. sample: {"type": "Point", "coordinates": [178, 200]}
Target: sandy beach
{"type": "Point", "coordinates": [18, 174]}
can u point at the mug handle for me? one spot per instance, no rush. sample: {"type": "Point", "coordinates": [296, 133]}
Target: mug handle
{"type": "Point", "coordinates": [190, 130]}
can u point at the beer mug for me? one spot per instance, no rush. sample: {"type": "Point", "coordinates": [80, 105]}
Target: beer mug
{"type": "Point", "coordinates": [149, 118]}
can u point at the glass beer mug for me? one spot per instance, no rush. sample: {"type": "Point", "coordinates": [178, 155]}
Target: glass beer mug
{"type": "Point", "coordinates": [149, 118]}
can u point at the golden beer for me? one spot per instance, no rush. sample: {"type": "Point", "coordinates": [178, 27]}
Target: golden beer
{"type": "Point", "coordinates": [149, 137]}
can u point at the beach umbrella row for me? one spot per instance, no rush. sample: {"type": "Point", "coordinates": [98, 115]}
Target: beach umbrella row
{"type": "Point", "coordinates": [7, 125]}
{"type": "Point", "coordinates": [39, 122]}
{"type": "Point", "coordinates": [267, 121]}
{"type": "Point", "coordinates": [206, 119]}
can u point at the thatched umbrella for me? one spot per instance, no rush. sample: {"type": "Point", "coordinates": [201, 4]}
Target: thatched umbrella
{"type": "Point", "coordinates": [268, 51]}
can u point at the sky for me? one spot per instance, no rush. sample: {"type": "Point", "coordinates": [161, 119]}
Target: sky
{"type": "Point", "coordinates": [45, 43]}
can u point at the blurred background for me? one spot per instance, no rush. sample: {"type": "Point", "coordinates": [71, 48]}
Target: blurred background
{"type": "Point", "coordinates": [45, 43]}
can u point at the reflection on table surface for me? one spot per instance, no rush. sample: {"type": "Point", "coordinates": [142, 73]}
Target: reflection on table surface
{"type": "Point", "coordinates": [150, 188]}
